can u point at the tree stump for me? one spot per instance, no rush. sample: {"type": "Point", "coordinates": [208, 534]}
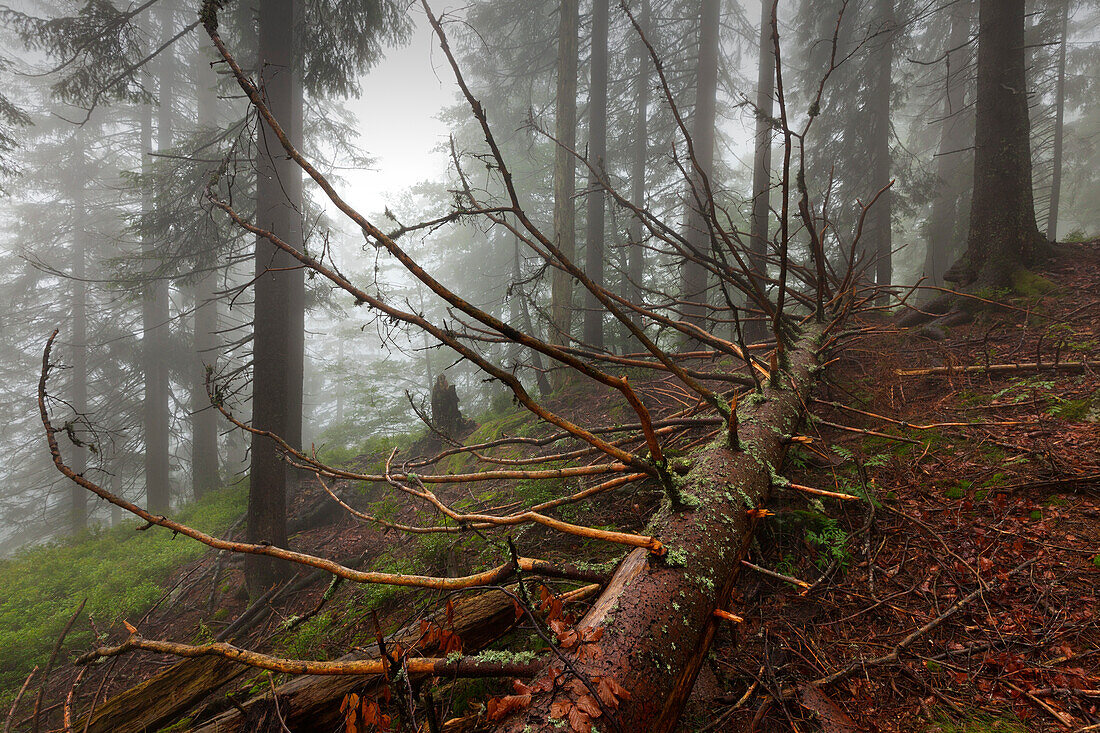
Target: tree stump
{"type": "Point", "coordinates": [446, 417]}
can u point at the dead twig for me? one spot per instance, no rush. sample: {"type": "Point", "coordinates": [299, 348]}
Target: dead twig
{"type": "Point", "coordinates": [49, 663]}
{"type": "Point", "coordinates": [18, 697]}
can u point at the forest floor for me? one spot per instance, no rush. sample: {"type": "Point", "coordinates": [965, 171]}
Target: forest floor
{"type": "Point", "coordinates": [999, 470]}
{"type": "Point", "coordinates": [975, 481]}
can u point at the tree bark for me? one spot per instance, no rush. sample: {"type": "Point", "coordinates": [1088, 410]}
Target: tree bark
{"type": "Point", "coordinates": [565, 176]}
{"type": "Point", "coordinates": [657, 615]}
{"type": "Point", "coordinates": [274, 300]}
{"type": "Point", "coordinates": [1003, 234]}
{"type": "Point", "coordinates": [880, 218]}
{"type": "Point", "coordinates": [155, 310]}
{"type": "Point", "coordinates": [692, 274]}
{"type": "Point", "coordinates": [597, 157]}
{"type": "Point", "coordinates": [635, 264]}
{"type": "Point", "coordinates": [204, 422]}
{"type": "Point", "coordinates": [951, 203]}
{"type": "Point", "coordinates": [78, 496]}
{"type": "Point", "coordinates": [295, 279]}
{"type": "Point", "coordinates": [756, 330]}
{"type": "Point", "coordinates": [1059, 130]}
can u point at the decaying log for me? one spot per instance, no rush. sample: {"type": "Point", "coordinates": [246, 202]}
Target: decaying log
{"type": "Point", "coordinates": [158, 700]}
{"type": "Point", "coordinates": [312, 703]}
{"type": "Point", "coordinates": [657, 614]}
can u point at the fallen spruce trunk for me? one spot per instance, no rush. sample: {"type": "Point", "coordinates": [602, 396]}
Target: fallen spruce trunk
{"type": "Point", "coordinates": [312, 703]}
{"type": "Point", "coordinates": [657, 614]}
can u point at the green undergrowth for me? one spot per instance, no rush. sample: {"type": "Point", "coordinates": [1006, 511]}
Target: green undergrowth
{"type": "Point", "coordinates": [120, 571]}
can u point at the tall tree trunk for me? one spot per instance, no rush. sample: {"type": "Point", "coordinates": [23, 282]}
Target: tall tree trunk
{"type": "Point", "coordinates": [155, 313]}
{"type": "Point", "coordinates": [880, 217]}
{"type": "Point", "coordinates": [296, 283]}
{"type": "Point", "coordinates": [274, 300]}
{"type": "Point", "coordinates": [204, 425]}
{"type": "Point", "coordinates": [1003, 234]}
{"type": "Point", "coordinates": [565, 175]}
{"type": "Point", "coordinates": [949, 207]}
{"type": "Point", "coordinates": [597, 156]}
{"type": "Point", "coordinates": [693, 275]}
{"type": "Point", "coordinates": [756, 328]}
{"type": "Point", "coordinates": [78, 502]}
{"type": "Point", "coordinates": [635, 263]}
{"type": "Point", "coordinates": [1059, 130]}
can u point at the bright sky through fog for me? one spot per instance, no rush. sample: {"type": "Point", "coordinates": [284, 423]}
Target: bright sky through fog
{"type": "Point", "coordinates": [398, 123]}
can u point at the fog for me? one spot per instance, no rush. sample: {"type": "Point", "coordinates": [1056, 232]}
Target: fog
{"type": "Point", "coordinates": [121, 131]}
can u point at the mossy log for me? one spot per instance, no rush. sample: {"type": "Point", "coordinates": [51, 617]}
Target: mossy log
{"type": "Point", "coordinates": [657, 614]}
{"type": "Point", "coordinates": [160, 700]}
{"type": "Point", "coordinates": [312, 703]}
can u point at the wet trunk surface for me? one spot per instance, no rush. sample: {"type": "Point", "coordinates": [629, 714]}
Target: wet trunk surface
{"type": "Point", "coordinates": [657, 614]}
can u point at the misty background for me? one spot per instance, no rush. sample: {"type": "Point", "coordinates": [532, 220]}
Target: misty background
{"type": "Point", "coordinates": [107, 235]}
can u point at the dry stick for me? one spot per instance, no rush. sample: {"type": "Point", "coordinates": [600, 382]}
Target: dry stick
{"type": "Point", "coordinates": [464, 666]}
{"type": "Point", "coordinates": [650, 543]}
{"type": "Point", "coordinates": [998, 368]}
{"type": "Point", "coordinates": [67, 708]}
{"type": "Point", "coordinates": [315, 466]}
{"type": "Point", "coordinates": [469, 522]}
{"type": "Point", "coordinates": [676, 421]}
{"type": "Point", "coordinates": [275, 703]}
{"type": "Point", "coordinates": [821, 492]}
{"type": "Point", "coordinates": [861, 431]}
{"type": "Point", "coordinates": [53, 657]}
{"type": "Point", "coordinates": [778, 576]}
{"type": "Point", "coordinates": [544, 506]}
{"type": "Point", "coordinates": [18, 697]}
{"type": "Point", "coordinates": [1059, 716]}
{"type": "Point", "coordinates": [98, 692]}
{"type": "Point", "coordinates": [928, 426]}
{"type": "Point", "coordinates": [912, 638]}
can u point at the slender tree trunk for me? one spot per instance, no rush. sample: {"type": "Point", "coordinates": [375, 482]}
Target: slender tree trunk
{"type": "Point", "coordinates": [78, 503]}
{"type": "Point", "coordinates": [635, 265]}
{"type": "Point", "coordinates": [880, 217]}
{"type": "Point", "coordinates": [340, 379]}
{"type": "Point", "coordinates": [756, 328]}
{"type": "Point", "coordinates": [274, 301]}
{"type": "Point", "coordinates": [565, 174]}
{"type": "Point", "coordinates": [155, 312]}
{"type": "Point", "coordinates": [519, 300]}
{"type": "Point", "coordinates": [949, 207]}
{"type": "Point", "coordinates": [597, 156]}
{"type": "Point", "coordinates": [1003, 234]}
{"type": "Point", "coordinates": [1059, 130]}
{"type": "Point", "coordinates": [694, 275]}
{"type": "Point", "coordinates": [204, 425]}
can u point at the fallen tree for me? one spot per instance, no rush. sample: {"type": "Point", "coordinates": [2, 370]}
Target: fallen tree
{"type": "Point", "coordinates": [656, 619]}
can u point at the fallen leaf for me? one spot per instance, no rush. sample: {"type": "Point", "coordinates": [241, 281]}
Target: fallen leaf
{"type": "Point", "coordinates": [589, 706]}
{"type": "Point", "coordinates": [829, 714]}
{"type": "Point", "coordinates": [579, 721]}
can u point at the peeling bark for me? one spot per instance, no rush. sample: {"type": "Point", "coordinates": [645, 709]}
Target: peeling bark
{"type": "Point", "coordinates": [658, 613]}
